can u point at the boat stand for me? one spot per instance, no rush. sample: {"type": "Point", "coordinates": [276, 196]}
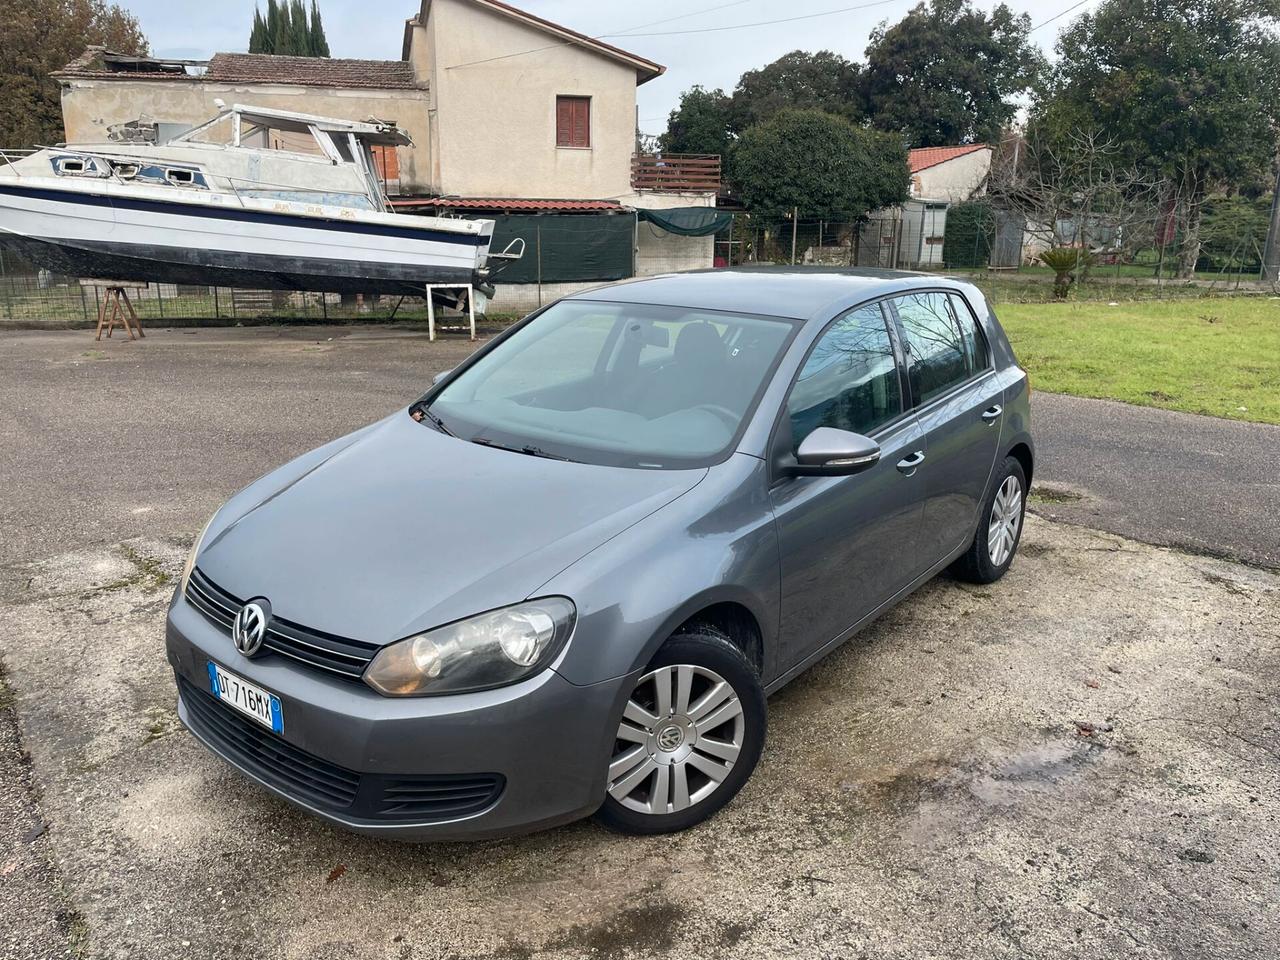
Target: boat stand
{"type": "Point", "coordinates": [116, 301]}
{"type": "Point", "coordinates": [431, 307]}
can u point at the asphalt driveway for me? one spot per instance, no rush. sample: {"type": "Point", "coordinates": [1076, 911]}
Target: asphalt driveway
{"type": "Point", "coordinates": [1082, 760]}
{"type": "Point", "coordinates": [1198, 483]}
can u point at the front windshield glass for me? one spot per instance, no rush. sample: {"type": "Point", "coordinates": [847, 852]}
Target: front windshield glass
{"type": "Point", "coordinates": [623, 384]}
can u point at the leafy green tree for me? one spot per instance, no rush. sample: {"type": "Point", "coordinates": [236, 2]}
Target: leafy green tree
{"type": "Point", "coordinates": [947, 73]}
{"type": "Point", "coordinates": [700, 124]}
{"type": "Point", "coordinates": [1187, 87]}
{"type": "Point", "coordinates": [38, 37]}
{"type": "Point", "coordinates": [798, 80]}
{"type": "Point", "coordinates": [319, 44]}
{"type": "Point", "coordinates": [820, 164]}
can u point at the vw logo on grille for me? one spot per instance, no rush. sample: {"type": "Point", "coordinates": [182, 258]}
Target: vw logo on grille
{"type": "Point", "coordinates": [250, 627]}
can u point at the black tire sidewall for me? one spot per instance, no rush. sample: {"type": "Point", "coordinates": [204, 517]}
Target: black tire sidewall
{"type": "Point", "coordinates": [715, 651]}
{"type": "Point", "coordinates": [989, 570]}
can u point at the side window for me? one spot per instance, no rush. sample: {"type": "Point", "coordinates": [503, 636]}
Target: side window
{"type": "Point", "coordinates": [850, 380]}
{"type": "Point", "coordinates": [573, 122]}
{"type": "Point", "coordinates": [975, 343]}
{"type": "Point", "coordinates": [940, 358]}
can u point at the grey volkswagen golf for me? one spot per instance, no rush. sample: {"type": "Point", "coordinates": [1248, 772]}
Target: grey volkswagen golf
{"type": "Point", "coordinates": [564, 580]}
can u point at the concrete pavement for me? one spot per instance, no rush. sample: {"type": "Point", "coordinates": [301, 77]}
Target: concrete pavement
{"type": "Point", "coordinates": [1082, 760]}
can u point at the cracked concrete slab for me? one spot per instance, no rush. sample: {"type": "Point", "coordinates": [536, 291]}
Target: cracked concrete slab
{"type": "Point", "coordinates": [1081, 760]}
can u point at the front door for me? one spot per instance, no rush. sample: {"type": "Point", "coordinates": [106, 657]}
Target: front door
{"type": "Point", "coordinates": [848, 543]}
{"type": "Point", "coordinates": [958, 400]}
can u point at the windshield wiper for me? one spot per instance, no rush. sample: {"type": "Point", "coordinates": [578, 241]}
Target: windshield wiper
{"type": "Point", "coordinates": [528, 449]}
{"type": "Point", "coordinates": [435, 421]}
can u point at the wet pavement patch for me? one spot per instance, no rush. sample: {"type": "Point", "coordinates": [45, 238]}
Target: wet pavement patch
{"type": "Point", "coordinates": [1082, 760]}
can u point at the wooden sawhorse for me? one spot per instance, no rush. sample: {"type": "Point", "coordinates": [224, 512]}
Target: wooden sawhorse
{"type": "Point", "coordinates": [116, 303]}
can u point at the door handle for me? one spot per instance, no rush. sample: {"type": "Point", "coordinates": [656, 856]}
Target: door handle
{"type": "Point", "coordinates": [992, 414]}
{"type": "Point", "coordinates": [909, 464]}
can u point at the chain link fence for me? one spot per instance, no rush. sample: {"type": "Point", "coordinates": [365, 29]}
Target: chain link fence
{"type": "Point", "coordinates": [996, 250]}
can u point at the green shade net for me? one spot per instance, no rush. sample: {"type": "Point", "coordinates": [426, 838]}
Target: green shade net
{"type": "Point", "coordinates": [688, 221]}
{"type": "Point", "coordinates": [574, 247]}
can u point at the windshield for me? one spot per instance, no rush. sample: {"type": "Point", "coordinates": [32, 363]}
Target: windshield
{"type": "Point", "coordinates": [623, 384]}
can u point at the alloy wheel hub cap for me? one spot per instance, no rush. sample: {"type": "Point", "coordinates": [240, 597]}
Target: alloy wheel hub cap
{"type": "Point", "coordinates": [680, 735]}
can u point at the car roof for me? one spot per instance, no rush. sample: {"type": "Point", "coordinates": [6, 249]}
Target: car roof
{"type": "Point", "coordinates": [801, 293]}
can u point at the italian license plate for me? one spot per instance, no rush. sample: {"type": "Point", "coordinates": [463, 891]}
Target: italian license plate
{"type": "Point", "coordinates": [249, 699]}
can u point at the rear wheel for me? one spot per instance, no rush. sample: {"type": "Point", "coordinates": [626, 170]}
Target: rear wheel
{"type": "Point", "coordinates": [690, 736]}
{"type": "Point", "coordinates": [1000, 528]}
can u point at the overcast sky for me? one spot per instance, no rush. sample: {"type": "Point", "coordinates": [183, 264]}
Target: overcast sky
{"type": "Point", "coordinates": [714, 58]}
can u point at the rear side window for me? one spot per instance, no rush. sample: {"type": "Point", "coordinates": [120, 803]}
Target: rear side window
{"type": "Point", "coordinates": [850, 380]}
{"type": "Point", "coordinates": [946, 348]}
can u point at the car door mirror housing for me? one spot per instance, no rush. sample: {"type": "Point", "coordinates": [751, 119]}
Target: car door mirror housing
{"type": "Point", "coordinates": [440, 376]}
{"type": "Point", "coordinates": [828, 452]}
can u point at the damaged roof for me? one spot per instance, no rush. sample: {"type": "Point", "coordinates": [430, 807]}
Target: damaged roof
{"type": "Point", "coordinates": [510, 205]}
{"type": "Point", "coordinates": [310, 71]}
{"type": "Point", "coordinates": [99, 63]}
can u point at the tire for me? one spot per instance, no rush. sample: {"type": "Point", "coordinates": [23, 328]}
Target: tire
{"type": "Point", "coordinates": [652, 759]}
{"type": "Point", "coordinates": [977, 565]}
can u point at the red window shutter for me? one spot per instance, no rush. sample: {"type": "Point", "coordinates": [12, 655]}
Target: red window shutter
{"type": "Point", "coordinates": [564, 121]}
{"type": "Point", "coordinates": [573, 121]}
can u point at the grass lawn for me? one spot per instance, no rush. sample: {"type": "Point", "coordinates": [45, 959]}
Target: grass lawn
{"type": "Point", "coordinates": [1216, 356]}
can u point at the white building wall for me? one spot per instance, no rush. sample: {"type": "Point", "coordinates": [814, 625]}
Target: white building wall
{"type": "Point", "coordinates": [954, 180]}
{"type": "Point", "coordinates": [494, 120]}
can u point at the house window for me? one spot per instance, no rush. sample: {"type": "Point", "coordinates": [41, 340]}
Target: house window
{"type": "Point", "coordinates": [573, 122]}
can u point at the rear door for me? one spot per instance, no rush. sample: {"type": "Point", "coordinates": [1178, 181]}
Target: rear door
{"type": "Point", "coordinates": [958, 400]}
{"type": "Point", "coordinates": [847, 544]}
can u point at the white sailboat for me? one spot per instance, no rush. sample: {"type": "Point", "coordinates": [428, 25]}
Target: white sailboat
{"type": "Point", "coordinates": [256, 198]}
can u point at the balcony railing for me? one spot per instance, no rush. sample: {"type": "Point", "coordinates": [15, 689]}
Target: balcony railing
{"type": "Point", "coordinates": [676, 172]}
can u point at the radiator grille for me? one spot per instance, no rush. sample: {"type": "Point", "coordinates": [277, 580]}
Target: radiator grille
{"type": "Point", "coordinates": [336, 655]}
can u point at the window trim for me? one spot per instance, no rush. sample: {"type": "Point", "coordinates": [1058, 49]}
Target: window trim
{"type": "Point", "coordinates": [780, 438]}
{"type": "Point", "coordinates": [590, 119]}
{"type": "Point", "coordinates": [916, 404]}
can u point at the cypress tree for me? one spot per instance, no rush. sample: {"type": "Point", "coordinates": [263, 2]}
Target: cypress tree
{"type": "Point", "coordinates": [273, 28]}
{"type": "Point", "coordinates": [298, 30]}
{"type": "Point", "coordinates": [257, 36]}
{"type": "Point", "coordinates": [319, 44]}
{"type": "Point", "coordinates": [283, 44]}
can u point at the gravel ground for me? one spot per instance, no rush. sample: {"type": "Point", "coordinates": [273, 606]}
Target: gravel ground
{"type": "Point", "coordinates": [1082, 760]}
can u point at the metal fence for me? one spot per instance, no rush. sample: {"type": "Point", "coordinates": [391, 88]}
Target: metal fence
{"type": "Point", "coordinates": [993, 246]}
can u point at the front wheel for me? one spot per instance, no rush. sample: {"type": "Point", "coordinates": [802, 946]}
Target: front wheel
{"type": "Point", "coordinates": [1000, 528]}
{"type": "Point", "coordinates": [690, 736]}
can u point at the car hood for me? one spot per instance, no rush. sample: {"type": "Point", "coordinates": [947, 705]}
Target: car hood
{"type": "Point", "coordinates": [405, 528]}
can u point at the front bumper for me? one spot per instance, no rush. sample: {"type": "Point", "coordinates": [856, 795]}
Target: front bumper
{"type": "Point", "coordinates": [544, 742]}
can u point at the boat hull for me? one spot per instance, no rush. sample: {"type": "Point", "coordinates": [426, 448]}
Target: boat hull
{"type": "Point", "coordinates": [213, 243]}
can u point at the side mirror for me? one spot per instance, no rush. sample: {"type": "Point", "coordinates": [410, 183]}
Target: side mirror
{"type": "Point", "coordinates": [440, 376]}
{"type": "Point", "coordinates": [828, 452]}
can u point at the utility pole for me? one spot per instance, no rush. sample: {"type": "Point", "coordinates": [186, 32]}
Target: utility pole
{"type": "Point", "coordinates": [1271, 257]}
{"type": "Point", "coordinates": [795, 214]}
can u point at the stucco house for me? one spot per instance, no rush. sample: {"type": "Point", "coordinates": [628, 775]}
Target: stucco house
{"type": "Point", "coordinates": [512, 117]}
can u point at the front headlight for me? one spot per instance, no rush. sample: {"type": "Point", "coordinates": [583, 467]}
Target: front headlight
{"type": "Point", "coordinates": [489, 650]}
{"type": "Point", "coordinates": [191, 557]}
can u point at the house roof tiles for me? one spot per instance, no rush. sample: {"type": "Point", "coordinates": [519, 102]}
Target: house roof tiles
{"type": "Point", "coordinates": [925, 157]}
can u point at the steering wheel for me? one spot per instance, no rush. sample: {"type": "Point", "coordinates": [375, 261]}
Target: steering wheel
{"type": "Point", "coordinates": [724, 413]}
